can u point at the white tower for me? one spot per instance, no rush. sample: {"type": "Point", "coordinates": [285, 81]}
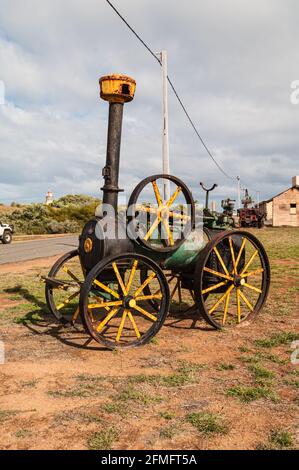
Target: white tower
{"type": "Point", "coordinates": [49, 198]}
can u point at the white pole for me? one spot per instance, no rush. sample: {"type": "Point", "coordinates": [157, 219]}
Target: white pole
{"type": "Point", "coordinates": [165, 143]}
{"type": "Point", "coordinates": [238, 193]}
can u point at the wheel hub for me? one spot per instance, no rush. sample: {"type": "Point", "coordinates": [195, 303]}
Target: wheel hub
{"type": "Point", "coordinates": [164, 212]}
{"type": "Point", "coordinates": [238, 281]}
{"type": "Point", "coordinates": [129, 302]}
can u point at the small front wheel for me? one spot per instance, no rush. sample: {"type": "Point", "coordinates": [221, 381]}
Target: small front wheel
{"type": "Point", "coordinates": [114, 302]}
{"type": "Point", "coordinates": [63, 285]}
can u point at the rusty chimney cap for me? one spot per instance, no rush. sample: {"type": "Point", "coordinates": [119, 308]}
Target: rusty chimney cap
{"type": "Point", "coordinates": [117, 88]}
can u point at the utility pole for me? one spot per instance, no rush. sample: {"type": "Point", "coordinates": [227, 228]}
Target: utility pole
{"type": "Point", "coordinates": [165, 140]}
{"type": "Point", "coordinates": [258, 198]}
{"type": "Point", "coordinates": [238, 193]}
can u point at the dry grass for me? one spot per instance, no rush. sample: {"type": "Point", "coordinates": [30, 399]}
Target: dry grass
{"type": "Point", "coordinates": [190, 388]}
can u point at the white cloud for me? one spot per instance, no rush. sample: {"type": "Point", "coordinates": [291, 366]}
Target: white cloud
{"type": "Point", "coordinates": [232, 62]}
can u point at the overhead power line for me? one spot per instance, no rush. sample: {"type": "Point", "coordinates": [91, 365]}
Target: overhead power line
{"type": "Point", "coordinates": [134, 32]}
{"type": "Point", "coordinates": [234, 178]}
{"type": "Point", "coordinates": [175, 93]}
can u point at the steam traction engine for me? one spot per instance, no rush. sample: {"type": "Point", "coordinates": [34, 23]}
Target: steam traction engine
{"type": "Point", "coordinates": [250, 216]}
{"type": "Point", "coordinates": [130, 272]}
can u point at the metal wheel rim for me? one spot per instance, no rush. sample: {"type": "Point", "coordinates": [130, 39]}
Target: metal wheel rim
{"type": "Point", "coordinates": [134, 198]}
{"type": "Point", "coordinates": [199, 273]}
{"type": "Point", "coordinates": [49, 290]}
{"type": "Point", "coordinates": [87, 319]}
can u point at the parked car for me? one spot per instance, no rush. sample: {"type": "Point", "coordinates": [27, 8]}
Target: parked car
{"type": "Point", "coordinates": [6, 232]}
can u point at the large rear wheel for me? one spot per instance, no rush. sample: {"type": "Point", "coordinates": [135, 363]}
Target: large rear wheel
{"type": "Point", "coordinates": [232, 279]}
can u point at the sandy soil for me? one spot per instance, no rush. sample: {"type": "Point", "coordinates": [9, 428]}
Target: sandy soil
{"type": "Point", "coordinates": [28, 265]}
{"type": "Point", "coordinates": [57, 390]}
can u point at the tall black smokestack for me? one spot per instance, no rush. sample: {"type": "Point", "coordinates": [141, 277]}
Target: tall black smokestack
{"type": "Point", "coordinates": [117, 89]}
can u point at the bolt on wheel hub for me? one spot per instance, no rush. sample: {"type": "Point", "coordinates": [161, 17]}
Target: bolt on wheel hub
{"type": "Point", "coordinates": [164, 212]}
{"type": "Point", "coordinates": [129, 302]}
{"type": "Point", "coordinates": [238, 281]}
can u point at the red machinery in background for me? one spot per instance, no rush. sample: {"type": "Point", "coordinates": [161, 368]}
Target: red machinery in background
{"type": "Point", "coordinates": [250, 216]}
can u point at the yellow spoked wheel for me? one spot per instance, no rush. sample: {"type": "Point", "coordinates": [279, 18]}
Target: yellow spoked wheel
{"type": "Point", "coordinates": [157, 223]}
{"type": "Point", "coordinates": [114, 305]}
{"type": "Point", "coordinates": [232, 279]}
{"type": "Point", "coordinates": [63, 285]}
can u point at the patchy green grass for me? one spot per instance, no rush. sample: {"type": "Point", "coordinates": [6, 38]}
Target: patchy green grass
{"type": "Point", "coordinates": [263, 377]}
{"type": "Point", "coordinates": [292, 378]}
{"type": "Point", "coordinates": [185, 374]}
{"type": "Point", "coordinates": [117, 408]}
{"type": "Point", "coordinates": [16, 297]}
{"type": "Point", "coordinates": [75, 415]}
{"type": "Point", "coordinates": [28, 383]}
{"type": "Point", "coordinates": [292, 382]}
{"type": "Point", "coordinates": [258, 356]}
{"type": "Point", "coordinates": [224, 366]}
{"type": "Point", "coordinates": [278, 439]}
{"type": "Point", "coordinates": [207, 423]}
{"type": "Point", "coordinates": [176, 379]}
{"type": "Point", "coordinates": [154, 341]}
{"type": "Point", "coordinates": [261, 372]}
{"type": "Point", "coordinates": [281, 439]}
{"type": "Point", "coordinates": [130, 393]}
{"type": "Point", "coordinates": [293, 289]}
{"type": "Point", "coordinates": [266, 383]}
{"type": "Point", "coordinates": [296, 400]}
{"type": "Point", "coordinates": [168, 432]}
{"type": "Point", "coordinates": [277, 339]}
{"type": "Point", "coordinates": [28, 319]}
{"type": "Point", "coordinates": [168, 415]}
{"type": "Point", "coordinates": [6, 414]}
{"type": "Point", "coordinates": [272, 358]}
{"type": "Point", "coordinates": [248, 394]}
{"type": "Point", "coordinates": [188, 367]}
{"type": "Point", "coordinates": [91, 379]}
{"type": "Point", "coordinates": [29, 291]}
{"type": "Point", "coordinates": [244, 349]}
{"type": "Point", "coordinates": [250, 359]}
{"type": "Point", "coordinates": [86, 386]}
{"type": "Point", "coordinates": [23, 433]}
{"type": "Point", "coordinates": [103, 440]}
{"type": "Point", "coordinates": [19, 307]}
{"type": "Point", "coordinates": [281, 243]}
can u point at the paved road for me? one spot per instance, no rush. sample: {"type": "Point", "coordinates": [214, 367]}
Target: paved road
{"type": "Point", "coordinates": [23, 251]}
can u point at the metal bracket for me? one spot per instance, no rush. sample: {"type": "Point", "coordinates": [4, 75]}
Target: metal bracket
{"type": "Point", "coordinates": [106, 172]}
{"type": "Point", "coordinates": [207, 190]}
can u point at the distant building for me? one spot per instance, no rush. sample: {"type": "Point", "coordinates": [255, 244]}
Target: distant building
{"type": "Point", "coordinates": [283, 209]}
{"type": "Point", "coordinates": [49, 198]}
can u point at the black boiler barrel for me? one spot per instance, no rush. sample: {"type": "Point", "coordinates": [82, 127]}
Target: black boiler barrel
{"type": "Point", "coordinates": [111, 170]}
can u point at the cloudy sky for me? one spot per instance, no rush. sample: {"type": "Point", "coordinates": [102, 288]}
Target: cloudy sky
{"type": "Point", "coordinates": [232, 61]}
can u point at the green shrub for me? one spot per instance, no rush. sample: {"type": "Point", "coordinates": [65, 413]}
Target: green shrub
{"type": "Point", "coordinates": [66, 215]}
